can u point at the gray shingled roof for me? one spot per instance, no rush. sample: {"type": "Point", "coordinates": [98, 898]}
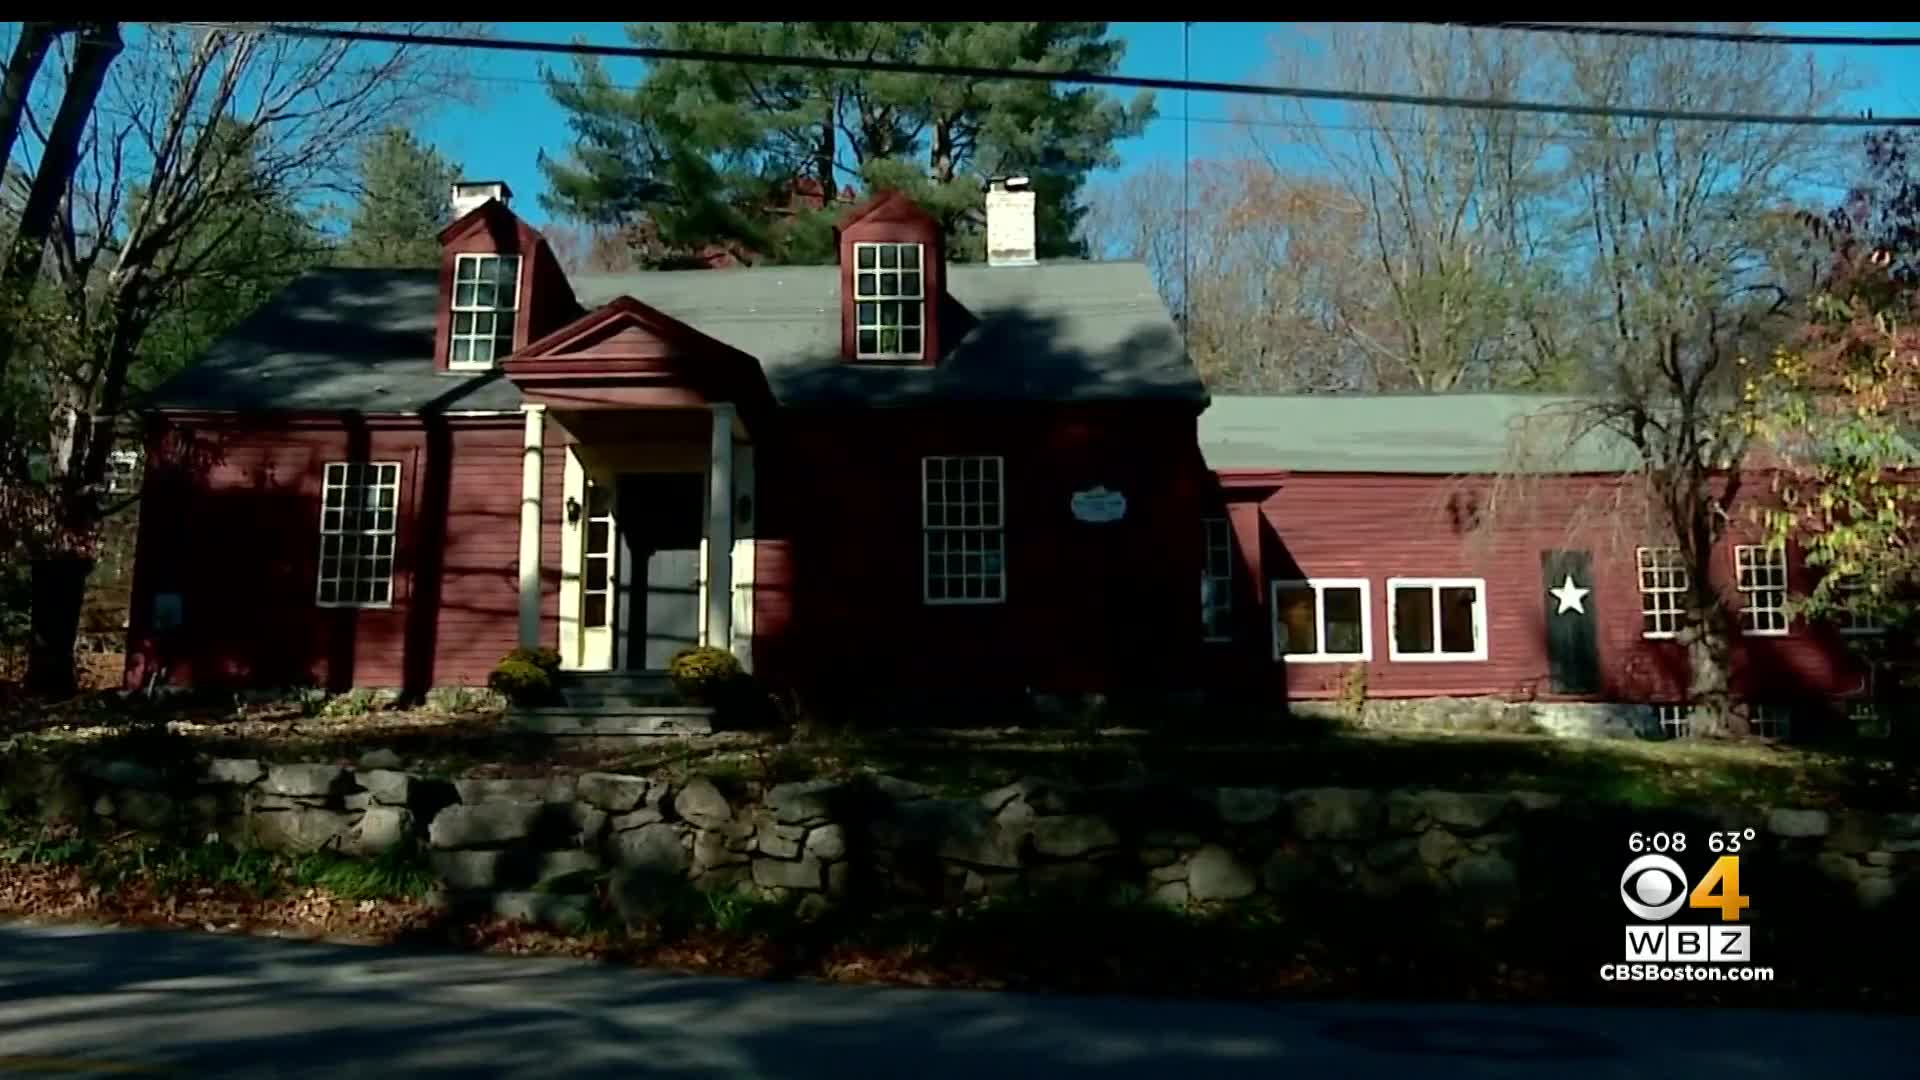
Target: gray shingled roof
{"type": "Point", "coordinates": [1444, 434]}
{"type": "Point", "coordinates": [362, 340]}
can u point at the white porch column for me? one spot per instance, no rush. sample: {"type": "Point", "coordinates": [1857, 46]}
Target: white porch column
{"type": "Point", "coordinates": [532, 469]}
{"type": "Point", "coordinates": [719, 621]}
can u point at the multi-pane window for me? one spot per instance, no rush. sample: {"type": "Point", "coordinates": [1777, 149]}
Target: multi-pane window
{"type": "Point", "coordinates": [1869, 719]}
{"type": "Point", "coordinates": [963, 519]}
{"type": "Point", "coordinates": [1216, 582]}
{"type": "Point", "coordinates": [1437, 618]}
{"type": "Point", "coordinates": [486, 300]}
{"type": "Point", "coordinates": [1675, 721]}
{"type": "Point", "coordinates": [890, 306]}
{"type": "Point", "coordinates": [123, 471]}
{"type": "Point", "coordinates": [1760, 571]}
{"type": "Point", "coordinates": [1663, 587]}
{"type": "Point", "coordinates": [1855, 613]}
{"type": "Point", "coordinates": [596, 594]}
{"type": "Point", "coordinates": [1324, 619]}
{"type": "Point", "coordinates": [359, 506]}
{"type": "Point", "coordinates": [1770, 721]}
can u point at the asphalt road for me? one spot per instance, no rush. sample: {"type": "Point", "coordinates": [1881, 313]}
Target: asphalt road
{"type": "Point", "coordinates": [92, 1002]}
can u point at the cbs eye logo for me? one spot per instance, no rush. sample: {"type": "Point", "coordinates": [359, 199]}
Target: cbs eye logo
{"type": "Point", "coordinates": [1654, 887]}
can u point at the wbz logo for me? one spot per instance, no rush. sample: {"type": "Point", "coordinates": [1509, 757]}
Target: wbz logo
{"type": "Point", "coordinates": [1689, 944]}
{"type": "Point", "coordinates": [1654, 888]}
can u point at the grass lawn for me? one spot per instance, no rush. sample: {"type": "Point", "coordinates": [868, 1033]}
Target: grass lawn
{"type": "Point", "coordinates": [1282, 754]}
{"type": "Point", "coordinates": [1628, 772]}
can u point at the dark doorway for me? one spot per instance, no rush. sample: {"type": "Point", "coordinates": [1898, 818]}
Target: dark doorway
{"type": "Point", "coordinates": [658, 610]}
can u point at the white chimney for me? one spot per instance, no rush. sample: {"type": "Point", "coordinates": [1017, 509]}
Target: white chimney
{"type": "Point", "coordinates": [1010, 222]}
{"type": "Point", "coordinates": [468, 194]}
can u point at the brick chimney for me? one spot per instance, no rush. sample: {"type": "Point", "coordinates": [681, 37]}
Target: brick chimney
{"type": "Point", "coordinates": [468, 194]}
{"type": "Point", "coordinates": [1010, 232]}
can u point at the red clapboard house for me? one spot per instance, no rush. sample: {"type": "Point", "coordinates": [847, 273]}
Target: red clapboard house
{"type": "Point", "coordinates": [894, 472]}
{"type": "Point", "coordinates": [1458, 546]}
{"type": "Point", "coordinates": [865, 471]}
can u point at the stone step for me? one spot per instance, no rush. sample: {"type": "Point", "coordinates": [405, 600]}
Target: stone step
{"type": "Point", "coordinates": [637, 720]}
{"type": "Point", "coordinates": [595, 698]}
{"type": "Point", "coordinates": [616, 680]}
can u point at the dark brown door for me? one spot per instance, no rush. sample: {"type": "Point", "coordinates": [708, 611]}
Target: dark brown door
{"type": "Point", "coordinates": [661, 519]}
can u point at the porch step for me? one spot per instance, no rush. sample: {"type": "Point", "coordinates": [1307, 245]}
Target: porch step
{"type": "Point", "coordinates": [615, 689]}
{"type": "Point", "coordinates": [616, 703]}
{"type": "Point", "coordinates": [614, 720]}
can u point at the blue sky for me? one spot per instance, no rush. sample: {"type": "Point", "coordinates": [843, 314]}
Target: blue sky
{"type": "Point", "coordinates": [499, 137]}
{"type": "Point", "coordinates": [500, 134]}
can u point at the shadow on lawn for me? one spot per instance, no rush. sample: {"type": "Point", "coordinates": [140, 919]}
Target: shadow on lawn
{"type": "Point", "coordinates": [1243, 750]}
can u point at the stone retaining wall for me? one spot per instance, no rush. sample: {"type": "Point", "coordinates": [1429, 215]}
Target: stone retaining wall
{"type": "Point", "coordinates": [878, 839]}
{"type": "Point", "coordinates": [1569, 719]}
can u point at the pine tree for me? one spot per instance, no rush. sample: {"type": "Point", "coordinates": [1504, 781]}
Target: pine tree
{"type": "Point", "coordinates": [404, 185]}
{"type": "Point", "coordinates": [743, 155]}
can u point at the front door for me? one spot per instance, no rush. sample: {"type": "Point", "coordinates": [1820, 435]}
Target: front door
{"type": "Point", "coordinates": [658, 610]}
{"type": "Point", "coordinates": [1573, 652]}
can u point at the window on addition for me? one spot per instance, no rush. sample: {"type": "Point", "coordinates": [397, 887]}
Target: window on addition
{"type": "Point", "coordinates": [359, 508]}
{"type": "Point", "coordinates": [1770, 720]}
{"type": "Point", "coordinates": [1856, 614]}
{"type": "Point", "coordinates": [1437, 619]}
{"type": "Point", "coordinates": [1663, 588]}
{"type": "Point", "coordinates": [1324, 620]}
{"type": "Point", "coordinates": [1216, 582]}
{"type": "Point", "coordinates": [890, 305]}
{"type": "Point", "coordinates": [486, 300]}
{"type": "Point", "coordinates": [1760, 571]}
{"type": "Point", "coordinates": [1675, 721]}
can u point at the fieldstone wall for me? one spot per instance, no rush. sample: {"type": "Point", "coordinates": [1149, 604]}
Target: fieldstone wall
{"type": "Point", "coordinates": [876, 839]}
{"type": "Point", "coordinates": [1570, 719]}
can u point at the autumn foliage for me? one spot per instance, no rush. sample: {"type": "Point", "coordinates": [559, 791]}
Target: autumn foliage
{"type": "Point", "coordinates": [1839, 404]}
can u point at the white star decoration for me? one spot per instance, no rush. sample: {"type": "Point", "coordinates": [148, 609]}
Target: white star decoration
{"type": "Point", "coordinates": [1571, 597]}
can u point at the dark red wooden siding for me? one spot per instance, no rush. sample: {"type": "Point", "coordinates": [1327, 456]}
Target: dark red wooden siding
{"type": "Point", "coordinates": [233, 528]}
{"type": "Point", "coordinates": [1383, 526]}
{"type": "Point", "coordinates": [839, 557]}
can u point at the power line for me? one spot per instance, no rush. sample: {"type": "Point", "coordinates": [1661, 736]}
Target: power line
{"type": "Point", "coordinates": [1676, 34]}
{"type": "Point", "coordinates": [1843, 141]}
{"type": "Point", "coordinates": [1090, 78]}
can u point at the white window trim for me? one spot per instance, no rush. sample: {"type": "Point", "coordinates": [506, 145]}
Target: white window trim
{"type": "Point", "coordinates": [1846, 624]}
{"type": "Point", "coordinates": [455, 308]}
{"type": "Point", "coordinates": [1479, 653]}
{"type": "Point", "coordinates": [1747, 595]}
{"type": "Point", "coordinates": [1673, 721]}
{"type": "Point", "coordinates": [926, 578]}
{"type": "Point", "coordinates": [1319, 587]}
{"type": "Point", "coordinates": [1225, 604]}
{"type": "Point", "coordinates": [1639, 583]}
{"type": "Point", "coordinates": [320, 560]}
{"type": "Point", "coordinates": [1774, 714]}
{"type": "Point", "coordinates": [920, 253]}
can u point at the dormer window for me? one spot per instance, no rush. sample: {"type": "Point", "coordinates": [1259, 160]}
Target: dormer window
{"type": "Point", "coordinates": [486, 301]}
{"type": "Point", "coordinates": [889, 292]}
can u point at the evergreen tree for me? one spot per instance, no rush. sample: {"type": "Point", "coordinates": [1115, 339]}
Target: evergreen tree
{"type": "Point", "coordinates": [404, 185]}
{"type": "Point", "coordinates": [745, 155]}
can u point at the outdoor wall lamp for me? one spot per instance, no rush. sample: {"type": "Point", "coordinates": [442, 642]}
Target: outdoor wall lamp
{"type": "Point", "coordinates": [573, 510]}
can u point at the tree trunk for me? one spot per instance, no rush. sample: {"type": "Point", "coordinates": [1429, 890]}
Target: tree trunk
{"type": "Point", "coordinates": [942, 157]}
{"type": "Point", "coordinates": [59, 588]}
{"type": "Point", "coordinates": [35, 39]}
{"type": "Point", "coordinates": [823, 162]}
{"type": "Point", "coordinates": [98, 45]}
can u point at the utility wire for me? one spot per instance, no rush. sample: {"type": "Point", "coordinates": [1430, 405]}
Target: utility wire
{"type": "Point", "coordinates": [1090, 78]}
{"type": "Point", "coordinates": [1677, 34]}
